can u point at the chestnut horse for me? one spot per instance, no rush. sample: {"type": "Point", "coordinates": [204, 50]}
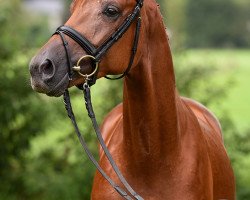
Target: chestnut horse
{"type": "Point", "coordinates": [166, 146]}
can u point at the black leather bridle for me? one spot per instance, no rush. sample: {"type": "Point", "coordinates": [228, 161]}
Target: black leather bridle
{"type": "Point", "coordinates": [96, 55]}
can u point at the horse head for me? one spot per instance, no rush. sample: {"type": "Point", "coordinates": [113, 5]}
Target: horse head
{"type": "Point", "coordinates": [96, 21]}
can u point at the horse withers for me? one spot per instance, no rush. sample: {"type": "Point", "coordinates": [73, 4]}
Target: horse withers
{"type": "Point", "coordinates": [166, 146]}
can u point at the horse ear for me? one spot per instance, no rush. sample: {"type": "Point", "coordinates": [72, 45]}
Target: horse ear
{"type": "Point", "coordinates": [152, 14]}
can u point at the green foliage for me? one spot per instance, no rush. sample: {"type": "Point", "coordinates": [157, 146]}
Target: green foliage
{"type": "Point", "coordinates": [208, 76]}
{"type": "Point", "coordinates": [41, 157]}
{"type": "Point", "coordinates": [197, 71]}
{"type": "Point", "coordinates": [215, 23]}
{"type": "Point", "coordinates": [206, 24]}
{"type": "Point", "coordinates": [175, 19]}
{"type": "Point", "coordinates": [20, 109]}
{"type": "Point", "coordinates": [57, 159]}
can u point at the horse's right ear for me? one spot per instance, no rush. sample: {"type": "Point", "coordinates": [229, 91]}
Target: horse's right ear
{"type": "Point", "coordinates": [152, 18]}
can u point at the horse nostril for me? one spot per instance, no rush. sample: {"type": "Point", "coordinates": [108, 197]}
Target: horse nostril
{"type": "Point", "coordinates": [47, 69]}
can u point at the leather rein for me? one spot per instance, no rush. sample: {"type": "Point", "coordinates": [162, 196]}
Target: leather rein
{"type": "Point", "coordinates": [96, 54]}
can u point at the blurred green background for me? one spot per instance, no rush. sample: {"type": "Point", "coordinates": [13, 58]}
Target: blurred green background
{"type": "Point", "coordinates": [41, 157]}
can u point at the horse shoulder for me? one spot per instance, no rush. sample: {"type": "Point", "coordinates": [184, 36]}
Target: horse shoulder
{"type": "Point", "coordinates": [223, 178]}
{"type": "Point", "coordinates": [112, 123]}
{"type": "Point", "coordinates": [205, 117]}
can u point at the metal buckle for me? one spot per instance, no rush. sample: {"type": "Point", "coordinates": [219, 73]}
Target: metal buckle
{"type": "Point", "coordinates": [77, 68]}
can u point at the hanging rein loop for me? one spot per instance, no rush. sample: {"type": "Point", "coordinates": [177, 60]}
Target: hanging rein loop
{"type": "Point", "coordinates": [95, 55]}
{"type": "Point", "coordinates": [71, 115]}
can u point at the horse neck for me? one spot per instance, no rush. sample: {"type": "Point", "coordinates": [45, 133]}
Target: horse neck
{"type": "Point", "coordinates": [149, 108]}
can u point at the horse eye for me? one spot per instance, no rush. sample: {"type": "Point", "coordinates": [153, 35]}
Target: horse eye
{"type": "Point", "coordinates": [111, 11]}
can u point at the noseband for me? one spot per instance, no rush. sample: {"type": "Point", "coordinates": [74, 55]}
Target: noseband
{"type": "Point", "coordinates": [96, 54]}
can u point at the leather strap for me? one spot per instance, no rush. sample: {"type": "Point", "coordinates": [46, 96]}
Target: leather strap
{"type": "Point", "coordinates": [71, 115]}
{"type": "Point", "coordinates": [133, 51]}
{"type": "Point", "coordinates": [98, 53]}
{"type": "Point", "coordinates": [101, 50]}
{"type": "Point", "coordinates": [78, 38]}
{"type": "Point", "coordinates": [119, 33]}
{"type": "Point", "coordinates": [66, 47]}
{"type": "Point", "coordinates": [91, 114]}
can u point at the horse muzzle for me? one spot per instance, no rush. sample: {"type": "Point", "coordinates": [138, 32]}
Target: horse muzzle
{"type": "Point", "coordinates": [46, 78]}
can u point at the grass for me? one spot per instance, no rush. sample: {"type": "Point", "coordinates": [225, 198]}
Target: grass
{"type": "Point", "coordinates": [234, 63]}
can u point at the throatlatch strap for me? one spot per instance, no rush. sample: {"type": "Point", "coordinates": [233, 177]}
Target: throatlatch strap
{"type": "Point", "coordinates": [133, 51]}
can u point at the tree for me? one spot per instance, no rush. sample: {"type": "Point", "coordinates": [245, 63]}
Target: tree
{"type": "Point", "coordinates": [214, 24]}
{"type": "Point", "coordinates": [20, 110]}
{"type": "Point", "coordinates": [41, 157]}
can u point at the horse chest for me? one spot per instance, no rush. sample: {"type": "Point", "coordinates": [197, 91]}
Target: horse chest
{"type": "Point", "coordinates": [178, 181]}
